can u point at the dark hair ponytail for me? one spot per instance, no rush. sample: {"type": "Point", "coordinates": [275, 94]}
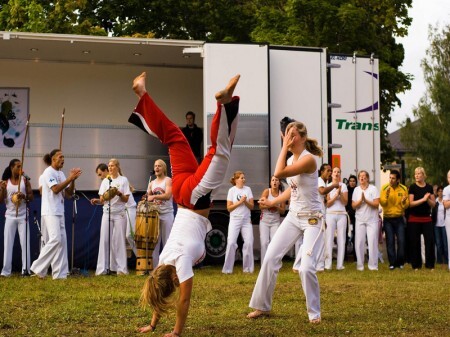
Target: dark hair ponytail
{"type": "Point", "coordinates": [7, 174]}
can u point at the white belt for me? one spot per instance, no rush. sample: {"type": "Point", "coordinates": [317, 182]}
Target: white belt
{"type": "Point", "coordinates": [316, 214]}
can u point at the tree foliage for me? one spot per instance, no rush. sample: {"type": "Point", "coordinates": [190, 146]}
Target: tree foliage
{"type": "Point", "coordinates": [430, 137]}
{"type": "Point", "coordinates": [344, 26]}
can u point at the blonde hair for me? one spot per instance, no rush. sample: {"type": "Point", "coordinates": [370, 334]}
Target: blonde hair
{"type": "Point", "coordinates": [116, 162]}
{"type": "Point", "coordinates": [163, 164]}
{"type": "Point", "coordinates": [422, 170]}
{"type": "Point", "coordinates": [311, 144]}
{"type": "Point", "coordinates": [158, 290]}
{"type": "Point", "coordinates": [235, 176]}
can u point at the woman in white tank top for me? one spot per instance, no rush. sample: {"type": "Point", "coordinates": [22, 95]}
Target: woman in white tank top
{"type": "Point", "coordinates": [303, 220]}
{"type": "Point", "coordinates": [159, 191]}
{"type": "Point", "coordinates": [270, 216]}
{"type": "Point", "coordinates": [15, 215]}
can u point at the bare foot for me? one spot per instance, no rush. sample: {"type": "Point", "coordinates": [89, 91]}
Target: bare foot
{"type": "Point", "coordinates": [258, 314]}
{"type": "Point", "coordinates": [224, 96]}
{"type": "Point", "coordinates": [139, 85]}
{"type": "Point", "coordinates": [315, 321]}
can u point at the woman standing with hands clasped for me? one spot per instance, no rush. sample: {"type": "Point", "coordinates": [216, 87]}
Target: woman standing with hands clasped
{"type": "Point", "coordinates": [421, 201]}
{"type": "Point", "coordinates": [336, 219]}
{"type": "Point", "coordinates": [365, 201]}
{"type": "Point", "coordinates": [305, 219]}
{"type": "Point", "coordinates": [270, 216]}
{"type": "Point", "coordinates": [239, 204]}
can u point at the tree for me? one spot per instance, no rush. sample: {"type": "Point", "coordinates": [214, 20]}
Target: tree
{"type": "Point", "coordinates": [430, 137]}
{"type": "Point", "coordinates": [40, 16]}
{"type": "Point", "coordinates": [345, 26]}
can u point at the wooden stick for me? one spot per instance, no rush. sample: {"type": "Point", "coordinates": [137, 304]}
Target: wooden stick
{"type": "Point", "coordinates": [23, 155]}
{"type": "Point", "coordinates": [62, 128]}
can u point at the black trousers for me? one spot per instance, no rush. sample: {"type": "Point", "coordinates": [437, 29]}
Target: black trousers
{"type": "Point", "coordinates": [415, 229]}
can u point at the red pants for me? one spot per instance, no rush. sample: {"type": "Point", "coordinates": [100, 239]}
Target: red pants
{"type": "Point", "coordinates": [193, 184]}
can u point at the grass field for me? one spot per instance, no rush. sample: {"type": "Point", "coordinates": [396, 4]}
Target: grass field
{"type": "Point", "coordinates": [383, 303]}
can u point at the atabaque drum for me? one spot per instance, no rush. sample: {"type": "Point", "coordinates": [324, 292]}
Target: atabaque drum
{"type": "Point", "coordinates": [146, 235]}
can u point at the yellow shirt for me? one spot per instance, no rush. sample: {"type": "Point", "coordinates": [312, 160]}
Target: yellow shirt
{"type": "Point", "coordinates": [393, 206]}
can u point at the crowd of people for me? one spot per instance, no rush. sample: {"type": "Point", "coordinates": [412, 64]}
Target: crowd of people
{"type": "Point", "coordinates": [311, 211]}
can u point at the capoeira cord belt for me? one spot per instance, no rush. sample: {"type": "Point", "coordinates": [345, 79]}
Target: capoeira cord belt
{"type": "Point", "coordinates": [312, 220]}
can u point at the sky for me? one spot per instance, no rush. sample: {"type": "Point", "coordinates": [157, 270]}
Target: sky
{"type": "Point", "coordinates": [423, 13]}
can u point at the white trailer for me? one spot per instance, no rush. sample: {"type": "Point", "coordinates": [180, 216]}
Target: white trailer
{"type": "Point", "coordinates": [90, 77]}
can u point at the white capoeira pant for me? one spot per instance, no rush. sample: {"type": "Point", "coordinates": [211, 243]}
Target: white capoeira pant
{"type": "Point", "coordinates": [371, 230]}
{"type": "Point", "coordinates": [336, 220]}
{"type": "Point", "coordinates": [54, 252]}
{"type": "Point", "coordinates": [267, 231]}
{"type": "Point", "coordinates": [116, 248]}
{"type": "Point", "coordinates": [165, 227]}
{"type": "Point", "coordinates": [131, 227]}
{"type": "Point", "coordinates": [245, 227]}
{"type": "Point", "coordinates": [290, 230]}
{"type": "Point", "coordinates": [12, 225]}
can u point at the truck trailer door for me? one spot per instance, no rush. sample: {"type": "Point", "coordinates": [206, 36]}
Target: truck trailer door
{"type": "Point", "coordinates": [356, 122]}
{"type": "Point", "coordinates": [298, 90]}
{"type": "Point", "coordinates": [251, 145]}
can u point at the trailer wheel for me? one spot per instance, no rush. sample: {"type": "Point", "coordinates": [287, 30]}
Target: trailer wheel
{"type": "Point", "coordinates": [216, 239]}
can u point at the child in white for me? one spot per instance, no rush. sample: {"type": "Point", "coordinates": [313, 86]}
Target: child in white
{"type": "Point", "coordinates": [336, 220]}
{"type": "Point", "coordinates": [270, 216]}
{"type": "Point", "coordinates": [112, 252]}
{"type": "Point", "coordinates": [239, 204]}
{"type": "Point", "coordinates": [365, 201]}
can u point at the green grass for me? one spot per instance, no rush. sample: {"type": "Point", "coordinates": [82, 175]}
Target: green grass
{"type": "Point", "coordinates": [383, 303]}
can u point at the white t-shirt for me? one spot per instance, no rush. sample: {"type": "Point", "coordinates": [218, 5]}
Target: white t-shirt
{"type": "Point", "coordinates": [322, 197]}
{"type": "Point", "coordinates": [52, 204]}
{"type": "Point", "coordinates": [234, 195]}
{"type": "Point", "coordinates": [10, 207]}
{"type": "Point", "coordinates": [337, 205]}
{"type": "Point", "coordinates": [131, 202]}
{"type": "Point", "coordinates": [121, 183]}
{"type": "Point", "coordinates": [446, 197]}
{"type": "Point", "coordinates": [440, 221]}
{"type": "Point", "coordinates": [365, 213]}
{"type": "Point", "coordinates": [186, 244]}
{"type": "Point", "coordinates": [165, 206]}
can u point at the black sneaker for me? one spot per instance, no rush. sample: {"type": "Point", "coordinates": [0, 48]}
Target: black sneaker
{"type": "Point", "coordinates": [391, 267]}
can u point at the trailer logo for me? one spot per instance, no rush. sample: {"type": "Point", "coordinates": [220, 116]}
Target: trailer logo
{"type": "Point", "coordinates": [344, 124]}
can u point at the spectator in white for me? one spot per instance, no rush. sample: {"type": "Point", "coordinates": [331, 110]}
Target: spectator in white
{"type": "Point", "coordinates": [270, 216]}
{"type": "Point", "coordinates": [159, 191]}
{"type": "Point", "coordinates": [446, 200]}
{"type": "Point", "coordinates": [439, 228]}
{"type": "Point", "coordinates": [336, 220]}
{"type": "Point", "coordinates": [239, 204]}
{"type": "Point", "coordinates": [365, 201]}
{"type": "Point", "coordinates": [55, 188]}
